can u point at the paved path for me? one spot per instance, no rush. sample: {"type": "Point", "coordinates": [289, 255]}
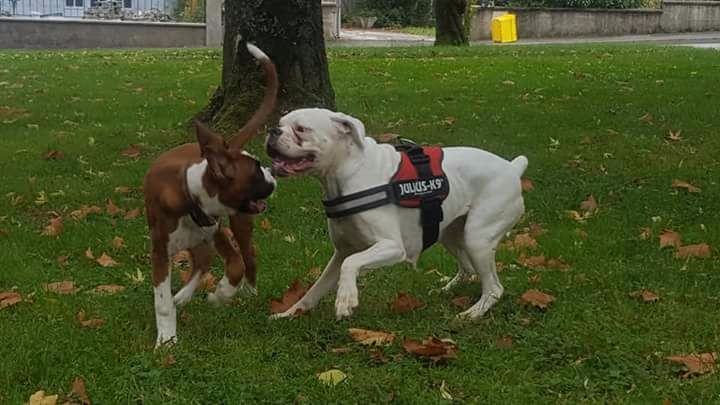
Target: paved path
{"type": "Point", "coordinates": [379, 38]}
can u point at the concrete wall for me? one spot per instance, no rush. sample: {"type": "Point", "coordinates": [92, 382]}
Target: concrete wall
{"type": "Point", "coordinates": [331, 20]}
{"type": "Point", "coordinates": [214, 24]}
{"type": "Point", "coordinates": [682, 16]}
{"type": "Point", "coordinates": [66, 33]}
{"type": "Point", "coordinates": [549, 22]}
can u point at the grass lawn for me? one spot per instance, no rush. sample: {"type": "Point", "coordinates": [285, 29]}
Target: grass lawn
{"type": "Point", "coordinates": [591, 120]}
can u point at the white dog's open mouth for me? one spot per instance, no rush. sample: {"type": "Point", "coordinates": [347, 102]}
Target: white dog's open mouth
{"type": "Point", "coordinates": [287, 166]}
{"type": "Point", "coordinates": [254, 206]}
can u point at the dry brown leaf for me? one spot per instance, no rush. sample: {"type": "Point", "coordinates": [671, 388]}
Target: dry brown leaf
{"type": "Point", "coordinates": [53, 154]}
{"type": "Point", "coordinates": [378, 356]}
{"type": "Point", "coordinates": [62, 260]}
{"type": "Point", "coordinates": [405, 303]}
{"type": "Point", "coordinates": [132, 152]}
{"type": "Point", "coordinates": [265, 224]}
{"type": "Point", "coordinates": [387, 137]}
{"type": "Point", "coordinates": [557, 264]}
{"type": "Point", "coordinates": [674, 136]}
{"type": "Point", "coordinates": [314, 272]}
{"type": "Point", "coordinates": [526, 184]}
{"type": "Point", "coordinates": [431, 348]}
{"type": "Point", "coordinates": [118, 242]}
{"type": "Point", "coordinates": [62, 287]}
{"type": "Point", "coordinates": [40, 398]}
{"type": "Point", "coordinates": [463, 302]}
{"type": "Point", "coordinates": [504, 342]}
{"type": "Point", "coordinates": [577, 216]}
{"type": "Point", "coordinates": [699, 250]}
{"type": "Point", "coordinates": [645, 295]}
{"type": "Point", "coordinates": [684, 184]}
{"type": "Point", "coordinates": [668, 237]}
{"type": "Point", "coordinates": [524, 240]}
{"type": "Point", "coordinates": [289, 298]}
{"type": "Point", "coordinates": [536, 298]}
{"type": "Point", "coordinates": [168, 361]}
{"type": "Point", "coordinates": [54, 228]}
{"type": "Point", "coordinates": [113, 209]}
{"type": "Point", "coordinates": [16, 200]}
{"type": "Point", "coordinates": [106, 261]}
{"type": "Point", "coordinates": [590, 204]}
{"type": "Point", "coordinates": [371, 337]}
{"type": "Point", "coordinates": [9, 298]}
{"type": "Point", "coordinates": [133, 213]}
{"type": "Point", "coordinates": [696, 364]}
{"type": "Point", "coordinates": [89, 254]}
{"type": "Point", "coordinates": [83, 211]}
{"type": "Point", "coordinates": [531, 262]}
{"type": "Point", "coordinates": [645, 233]}
{"type": "Point", "coordinates": [536, 230]}
{"type": "Point", "coordinates": [92, 323]}
{"type": "Point", "coordinates": [108, 289]}
{"type": "Point", "coordinates": [123, 189]}
{"type": "Point", "coordinates": [78, 388]}
{"type": "Point", "coordinates": [534, 279]}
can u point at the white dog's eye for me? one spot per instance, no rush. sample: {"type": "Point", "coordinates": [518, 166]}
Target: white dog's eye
{"type": "Point", "coordinates": [299, 128]}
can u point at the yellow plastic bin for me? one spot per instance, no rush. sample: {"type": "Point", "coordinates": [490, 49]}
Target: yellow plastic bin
{"type": "Point", "coordinates": [504, 28]}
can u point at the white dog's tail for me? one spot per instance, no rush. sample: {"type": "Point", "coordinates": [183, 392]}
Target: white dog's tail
{"type": "Point", "coordinates": [520, 163]}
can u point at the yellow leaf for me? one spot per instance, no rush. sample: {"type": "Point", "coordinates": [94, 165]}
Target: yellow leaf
{"type": "Point", "coordinates": [39, 398]}
{"type": "Point", "coordinates": [332, 377]}
{"type": "Point", "coordinates": [106, 261]}
{"type": "Point", "coordinates": [371, 337]}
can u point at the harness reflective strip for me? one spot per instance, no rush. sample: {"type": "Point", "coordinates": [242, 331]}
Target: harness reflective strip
{"type": "Point", "coordinates": [358, 202]}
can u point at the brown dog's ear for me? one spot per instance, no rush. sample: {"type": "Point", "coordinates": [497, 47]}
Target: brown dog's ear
{"type": "Point", "coordinates": [214, 149]}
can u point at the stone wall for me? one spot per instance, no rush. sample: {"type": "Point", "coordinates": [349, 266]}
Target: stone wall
{"type": "Point", "coordinates": [684, 16]}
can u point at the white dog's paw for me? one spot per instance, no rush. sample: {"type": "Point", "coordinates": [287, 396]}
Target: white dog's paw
{"type": "Point", "coordinates": [165, 340]}
{"type": "Point", "coordinates": [290, 313]}
{"type": "Point", "coordinates": [182, 297]}
{"type": "Point", "coordinates": [346, 301]}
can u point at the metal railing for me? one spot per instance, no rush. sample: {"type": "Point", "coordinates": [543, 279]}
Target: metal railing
{"type": "Point", "coordinates": [154, 10]}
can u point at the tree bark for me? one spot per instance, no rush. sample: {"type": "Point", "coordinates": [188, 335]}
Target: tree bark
{"type": "Point", "coordinates": [290, 32]}
{"type": "Point", "coordinates": [449, 22]}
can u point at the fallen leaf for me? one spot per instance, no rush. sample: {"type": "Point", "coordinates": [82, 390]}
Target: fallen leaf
{"type": "Point", "coordinates": [16, 200]}
{"type": "Point", "coordinates": [534, 279]}
{"type": "Point", "coordinates": [684, 184]}
{"type": "Point", "coordinates": [645, 295]}
{"type": "Point", "coordinates": [647, 117]}
{"type": "Point", "coordinates": [108, 289]}
{"type": "Point", "coordinates": [341, 350]}
{"type": "Point", "coordinates": [668, 237]}
{"type": "Point", "coordinates": [113, 209]}
{"type": "Point", "coordinates": [289, 298]}
{"type": "Point", "coordinates": [81, 213]}
{"type": "Point", "coordinates": [137, 278]}
{"type": "Point", "coordinates": [92, 323]}
{"type": "Point", "coordinates": [78, 388]}
{"type": "Point", "coordinates": [557, 264]}
{"type": "Point", "coordinates": [39, 398]}
{"type": "Point", "coordinates": [54, 228]}
{"type": "Point", "coordinates": [531, 262]}
{"type": "Point", "coordinates": [387, 137]}
{"type": "Point", "coordinates": [53, 154]}
{"type": "Point", "coordinates": [265, 224]}
{"type": "Point", "coordinates": [577, 216]}
{"type": "Point", "coordinates": [131, 152]}
{"type": "Point", "coordinates": [645, 233]}
{"type": "Point", "coordinates": [62, 260]}
{"type": "Point", "coordinates": [133, 213]}
{"type": "Point", "coordinates": [332, 377]}
{"type": "Point", "coordinates": [122, 189]}
{"type": "Point", "coordinates": [674, 136]}
{"type": "Point", "coordinates": [536, 298]}
{"type": "Point", "coordinates": [378, 356]}
{"type": "Point", "coordinates": [106, 261]}
{"type": "Point", "coordinates": [371, 337]}
{"type": "Point", "coordinates": [524, 240]}
{"type": "Point", "coordinates": [589, 205]}
{"type": "Point", "coordinates": [504, 342]}
{"type": "Point", "coordinates": [431, 348]}
{"type": "Point", "coordinates": [696, 364]}
{"type": "Point", "coordinates": [168, 361]}
{"type": "Point", "coordinates": [405, 303]}
{"type": "Point", "coordinates": [118, 242]}
{"type": "Point", "coordinates": [9, 298]}
{"type": "Point", "coordinates": [463, 302]}
{"type": "Point", "coordinates": [526, 184]}
{"type": "Point", "coordinates": [314, 272]}
{"type": "Point", "coordinates": [62, 287]}
{"type": "Point", "coordinates": [699, 250]}
{"type": "Point", "coordinates": [89, 254]}
{"type": "Point", "coordinates": [536, 230]}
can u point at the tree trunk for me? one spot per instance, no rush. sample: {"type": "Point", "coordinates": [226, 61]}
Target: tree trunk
{"type": "Point", "coordinates": [449, 22]}
{"type": "Point", "coordinates": [290, 32]}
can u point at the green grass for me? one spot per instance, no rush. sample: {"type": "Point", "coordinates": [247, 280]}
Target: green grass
{"type": "Point", "coordinates": [594, 344]}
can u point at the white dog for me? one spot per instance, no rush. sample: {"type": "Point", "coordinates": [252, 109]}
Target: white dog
{"type": "Point", "coordinates": [484, 202]}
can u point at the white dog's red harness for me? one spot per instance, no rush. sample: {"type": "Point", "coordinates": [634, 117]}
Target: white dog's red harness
{"type": "Point", "coordinates": [419, 182]}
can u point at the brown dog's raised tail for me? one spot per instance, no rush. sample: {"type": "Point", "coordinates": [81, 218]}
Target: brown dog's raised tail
{"type": "Point", "coordinates": [268, 102]}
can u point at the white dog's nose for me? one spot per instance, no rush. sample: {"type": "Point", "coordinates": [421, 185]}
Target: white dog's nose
{"type": "Point", "coordinates": [275, 132]}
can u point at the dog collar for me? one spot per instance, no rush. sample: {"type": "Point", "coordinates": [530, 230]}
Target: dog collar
{"type": "Point", "coordinates": [419, 182]}
{"type": "Point", "coordinates": [198, 216]}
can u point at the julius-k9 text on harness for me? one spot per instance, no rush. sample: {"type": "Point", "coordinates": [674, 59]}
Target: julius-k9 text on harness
{"type": "Point", "coordinates": [418, 183]}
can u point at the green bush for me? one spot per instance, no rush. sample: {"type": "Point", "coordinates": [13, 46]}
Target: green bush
{"type": "Point", "coordinates": [197, 16]}
{"type": "Point", "coordinates": [398, 13]}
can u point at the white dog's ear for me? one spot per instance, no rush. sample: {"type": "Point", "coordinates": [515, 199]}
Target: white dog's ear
{"type": "Point", "coordinates": [351, 126]}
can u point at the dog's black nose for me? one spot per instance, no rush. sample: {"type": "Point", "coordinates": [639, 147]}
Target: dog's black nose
{"type": "Point", "coordinates": [275, 132]}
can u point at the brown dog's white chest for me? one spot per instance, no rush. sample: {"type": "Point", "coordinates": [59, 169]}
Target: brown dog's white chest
{"type": "Point", "coordinates": [188, 235]}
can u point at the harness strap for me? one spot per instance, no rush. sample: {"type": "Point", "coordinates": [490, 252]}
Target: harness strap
{"type": "Point", "coordinates": [431, 213]}
{"type": "Point", "coordinates": [198, 216]}
{"type": "Point", "coordinates": [358, 202]}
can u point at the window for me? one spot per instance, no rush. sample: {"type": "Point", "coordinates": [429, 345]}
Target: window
{"type": "Point", "coordinates": [74, 3]}
{"type": "Point", "coordinates": [127, 3]}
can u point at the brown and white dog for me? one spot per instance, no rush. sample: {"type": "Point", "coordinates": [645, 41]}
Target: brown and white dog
{"type": "Point", "coordinates": [187, 189]}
